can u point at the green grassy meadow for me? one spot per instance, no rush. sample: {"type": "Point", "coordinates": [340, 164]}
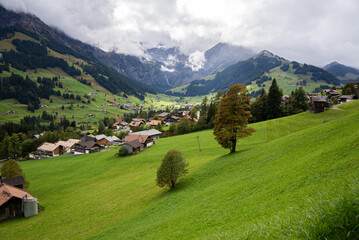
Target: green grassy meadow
{"type": "Point", "coordinates": [280, 184]}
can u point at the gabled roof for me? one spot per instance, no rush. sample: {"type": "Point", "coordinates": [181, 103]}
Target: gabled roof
{"type": "Point", "coordinates": [99, 137]}
{"type": "Point", "coordinates": [48, 147]}
{"type": "Point", "coordinates": [155, 122]}
{"type": "Point", "coordinates": [319, 98]}
{"type": "Point", "coordinates": [7, 192]}
{"type": "Point", "coordinates": [87, 144]}
{"type": "Point", "coordinates": [164, 114]}
{"type": "Point", "coordinates": [68, 143]}
{"type": "Point", "coordinates": [151, 132]}
{"type": "Point", "coordinates": [14, 181]}
{"type": "Point", "coordinates": [135, 143]}
{"type": "Point", "coordinates": [140, 138]}
{"type": "Point", "coordinates": [112, 138]}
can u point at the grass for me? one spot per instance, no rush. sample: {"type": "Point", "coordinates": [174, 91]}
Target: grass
{"type": "Point", "coordinates": [266, 190]}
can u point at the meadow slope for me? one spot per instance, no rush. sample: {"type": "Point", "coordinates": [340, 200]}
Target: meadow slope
{"type": "Point", "coordinates": [270, 188]}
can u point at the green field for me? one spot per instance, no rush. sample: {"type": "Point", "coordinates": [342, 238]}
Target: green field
{"type": "Point", "coordinates": [280, 184]}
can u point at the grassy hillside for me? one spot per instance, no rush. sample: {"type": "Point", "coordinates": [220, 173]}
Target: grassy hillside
{"type": "Point", "coordinates": [271, 188]}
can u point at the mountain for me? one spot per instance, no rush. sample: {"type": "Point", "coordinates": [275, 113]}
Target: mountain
{"type": "Point", "coordinates": [42, 35]}
{"type": "Point", "coordinates": [342, 72]}
{"type": "Point", "coordinates": [257, 72]}
{"type": "Point", "coordinates": [180, 68]}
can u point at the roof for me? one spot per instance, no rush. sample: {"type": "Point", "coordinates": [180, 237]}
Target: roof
{"type": "Point", "coordinates": [155, 122]}
{"type": "Point", "coordinates": [87, 144]}
{"type": "Point", "coordinates": [14, 181]}
{"type": "Point", "coordinates": [99, 137]}
{"type": "Point", "coordinates": [346, 96]}
{"type": "Point", "coordinates": [164, 114]}
{"type": "Point", "coordinates": [48, 147]}
{"type": "Point", "coordinates": [112, 138]}
{"type": "Point", "coordinates": [319, 98]}
{"type": "Point", "coordinates": [88, 138]}
{"type": "Point", "coordinates": [135, 143]}
{"type": "Point", "coordinates": [7, 192]}
{"type": "Point", "coordinates": [68, 143]}
{"type": "Point", "coordinates": [137, 122]}
{"type": "Point", "coordinates": [151, 132]}
{"type": "Point", "coordinates": [140, 138]}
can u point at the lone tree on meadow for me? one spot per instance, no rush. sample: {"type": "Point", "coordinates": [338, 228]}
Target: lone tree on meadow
{"type": "Point", "coordinates": [232, 117]}
{"type": "Point", "coordinates": [173, 167]}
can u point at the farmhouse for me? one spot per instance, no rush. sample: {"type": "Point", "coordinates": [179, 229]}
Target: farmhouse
{"type": "Point", "coordinates": [145, 140]}
{"type": "Point", "coordinates": [163, 116]}
{"type": "Point", "coordinates": [136, 122]}
{"type": "Point", "coordinates": [49, 149]}
{"type": "Point", "coordinates": [102, 140]}
{"type": "Point", "coordinates": [133, 147]}
{"type": "Point", "coordinates": [153, 133]}
{"type": "Point", "coordinates": [68, 145]}
{"type": "Point", "coordinates": [320, 103]}
{"type": "Point", "coordinates": [155, 123]}
{"type": "Point", "coordinates": [346, 98]}
{"type": "Point", "coordinates": [86, 147]}
{"type": "Point", "coordinates": [16, 202]}
{"type": "Point", "coordinates": [120, 125]}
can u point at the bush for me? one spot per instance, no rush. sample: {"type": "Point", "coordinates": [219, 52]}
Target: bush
{"type": "Point", "coordinates": [122, 152]}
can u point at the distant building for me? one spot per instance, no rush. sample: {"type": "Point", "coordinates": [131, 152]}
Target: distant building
{"type": "Point", "coordinates": [136, 122]}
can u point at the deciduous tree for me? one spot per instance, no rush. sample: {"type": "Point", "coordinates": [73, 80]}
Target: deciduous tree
{"type": "Point", "coordinates": [173, 167]}
{"type": "Point", "coordinates": [232, 117]}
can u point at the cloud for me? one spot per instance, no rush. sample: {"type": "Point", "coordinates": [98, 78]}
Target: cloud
{"type": "Point", "coordinates": [196, 60]}
{"type": "Point", "coordinates": [314, 32]}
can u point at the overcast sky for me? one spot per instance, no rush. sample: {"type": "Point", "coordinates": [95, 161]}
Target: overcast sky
{"type": "Point", "coordinates": [311, 31]}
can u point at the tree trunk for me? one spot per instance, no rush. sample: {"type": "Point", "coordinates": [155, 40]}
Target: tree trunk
{"type": "Point", "coordinates": [173, 184]}
{"type": "Point", "coordinates": [234, 144]}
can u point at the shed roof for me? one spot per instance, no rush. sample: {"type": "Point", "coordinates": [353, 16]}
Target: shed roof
{"type": "Point", "coordinates": [14, 181]}
{"type": "Point", "coordinates": [7, 192]}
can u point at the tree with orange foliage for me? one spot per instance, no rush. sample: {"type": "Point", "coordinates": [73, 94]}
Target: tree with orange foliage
{"type": "Point", "coordinates": [232, 117]}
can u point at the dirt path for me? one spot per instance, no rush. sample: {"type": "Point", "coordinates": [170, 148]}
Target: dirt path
{"type": "Point", "coordinates": [336, 107]}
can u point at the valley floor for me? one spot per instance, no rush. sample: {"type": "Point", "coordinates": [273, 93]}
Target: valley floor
{"type": "Point", "coordinates": [281, 184]}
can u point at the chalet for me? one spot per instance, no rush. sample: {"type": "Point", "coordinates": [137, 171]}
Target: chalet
{"type": "Point", "coordinates": [9, 112]}
{"type": "Point", "coordinates": [320, 103]}
{"type": "Point", "coordinates": [155, 123]}
{"type": "Point", "coordinates": [68, 145]}
{"type": "Point", "coordinates": [163, 116]}
{"type": "Point", "coordinates": [86, 147]}
{"type": "Point", "coordinates": [333, 93]}
{"type": "Point", "coordinates": [88, 138]}
{"type": "Point", "coordinates": [174, 119]}
{"type": "Point", "coordinates": [153, 133]}
{"type": "Point", "coordinates": [145, 140]}
{"type": "Point", "coordinates": [16, 202]}
{"type": "Point", "coordinates": [17, 181]}
{"type": "Point", "coordinates": [136, 122]}
{"type": "Point", "coordinates": [346, 98]}
{"type": "Point", "coordinates": [102, 140]}
{"type": "Point", "coordinates": [310, 95]}
{"type": "Point", "coordinates": [49, 149]}
{"type": "Point", "coordinates": [133, 147]}
{"type": "Point", "coordinates": [120, 125]}
{"type": "Point", "coordinates": [113, 140]}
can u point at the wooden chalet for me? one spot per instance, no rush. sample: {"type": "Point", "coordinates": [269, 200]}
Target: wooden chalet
{"type": "Point", "coordinates": [136, 122]}
{"type": "Point", "coordinates": [86, 147]}
{"type": "Point", "coordinates": [320, 103]}
{"type": "Point", "coordinates": [155, 123]}
{"type": "Point", "coordinates": [153, 133]}
{"type": "Point", "coordinates": [346, 98]}
{"type": "Point", "coordinates": [145, 140]}
{"type": "Point", "coordinates": [68, 145]}
{"type": "Point", "coordinates": [133, 146]}
{"type": "Point", "coordinates": [120, 125]}
{"type": "Point", "coordinates": [49, 149]}
{"type": "Point", "coordinates": [163, 116]}
{"type": "Point", "coordinates": [102, 140]}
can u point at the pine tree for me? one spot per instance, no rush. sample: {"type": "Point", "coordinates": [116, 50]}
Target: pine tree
{"type": "Point", "coordinates": [259, 107]}
{"type": "Point", "coordinates": [232, 117]}
{"type": "Point", "coordinates": [274, 101]}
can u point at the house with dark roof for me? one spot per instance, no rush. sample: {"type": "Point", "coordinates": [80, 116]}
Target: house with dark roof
{"type": "Point", "coordinates": [86, 147]}
{"type": "Point", "coordinates": [133, 146]}
{"type": "Point", "coordinates": [16, 202]}
{"type": "Point", "coordinates": [17, 181]}
{"type": "Point", "coordinates": [163, 116]}
{"type": "Point", "coordinates": [320, 103]}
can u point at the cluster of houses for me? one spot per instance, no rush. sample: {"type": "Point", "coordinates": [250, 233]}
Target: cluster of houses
{"type": "Point", "coordinates": [321, 102]}
{"type": "Point", "coordinates": [14, 200]}
{"type": "Point", "coordinates": [164, 118]}
{"type": "Point", "coordinates": [87, 144]}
